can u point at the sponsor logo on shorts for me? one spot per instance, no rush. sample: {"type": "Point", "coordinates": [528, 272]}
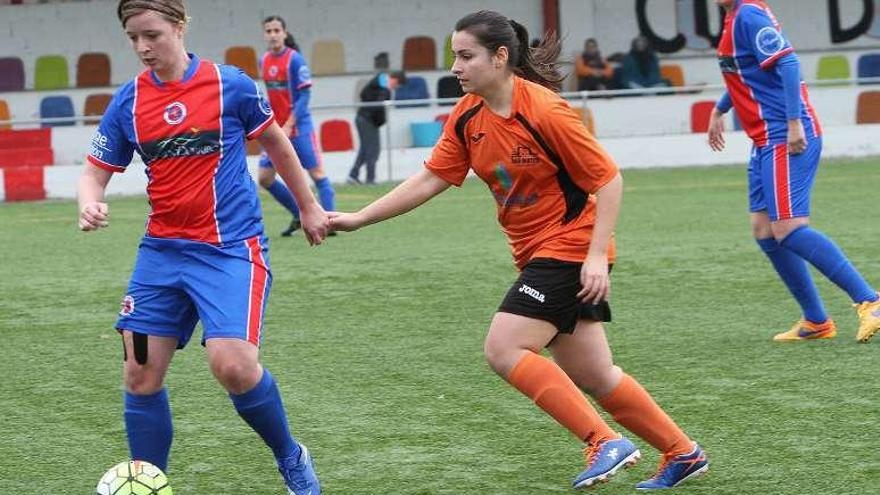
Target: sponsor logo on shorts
{"type": "Point", "coordinates": [127, 306]}
{"type": "Point", "coordinates": [533, 293]}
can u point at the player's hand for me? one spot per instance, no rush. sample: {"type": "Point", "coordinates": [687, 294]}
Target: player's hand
{"type": "Point", "coordinates": [345, 222]}
{"type": "Point", "coordinates": [93, 216]}
{"type": "Point", "coordinates": [315, 224]}
{"type": "Point", "coordinates": [797, 138]}
{"type": "Point", "coordinates": [595, 282]}
{"type": "Point", "coordinates": [716, 130]}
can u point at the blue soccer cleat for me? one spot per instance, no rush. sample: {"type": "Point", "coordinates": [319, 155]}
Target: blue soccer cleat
{"type": "Point", "coordinates": [299, 474]}
{"type": "Point", "coordinates": [674, 470]}
{"type": "Point", "coordinates": [605, 459]}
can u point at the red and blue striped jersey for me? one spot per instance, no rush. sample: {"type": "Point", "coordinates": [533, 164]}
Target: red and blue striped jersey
{"type": "Point", "coordinates": [751, 44]}
{"type": "Point", "coordinates": [191, 135]}
{"type": "Point", "coordinates": [287, 75]}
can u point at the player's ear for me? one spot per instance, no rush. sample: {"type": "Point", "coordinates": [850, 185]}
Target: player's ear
{"type": "Point", "coordinates": [499, 59]}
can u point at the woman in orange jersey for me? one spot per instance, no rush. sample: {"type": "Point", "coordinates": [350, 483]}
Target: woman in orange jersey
{"type": "Point", "coordinates": [558, 194]}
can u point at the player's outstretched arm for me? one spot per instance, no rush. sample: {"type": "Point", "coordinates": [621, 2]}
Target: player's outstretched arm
{"type": "Point", "coordinates": [93, 211]}
{"type": "Point", "coordinates": [313, 217]}
{"type": "Point", "coordinates": [406, 196]}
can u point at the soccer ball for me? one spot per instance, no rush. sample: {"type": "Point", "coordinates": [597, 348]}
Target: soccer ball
{"type": "Point", "coordinates": [134, 478]}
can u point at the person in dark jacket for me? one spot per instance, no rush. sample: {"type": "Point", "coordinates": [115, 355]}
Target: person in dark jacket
{"type": "Point", "coordinates": [368, 122]}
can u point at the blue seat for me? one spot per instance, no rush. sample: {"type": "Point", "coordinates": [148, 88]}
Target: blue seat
{"type": "Point", "coordinates": [11, 74]}
{"type": "Point", "coordinates": [56, 107]}
{"type": "Point", "coordinates": [425, 134]}
{"type": "Point", "coordinates": [416, 88]}
{"type": "Point", "coordinates": [869, 66]}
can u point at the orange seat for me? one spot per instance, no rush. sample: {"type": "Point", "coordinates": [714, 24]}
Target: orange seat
{"type": "Point", "coordinates": [700, 112]}
{"type": "Point", "coordinates": [4, 115]}
{"type": "Point", "coordinates": [586, 116]}
{"type": "Point", "coordinates": [243, 57]}
{"type": "Point", "coordinates": [419, 53]}
{"type": "Point", "coordinates": [93, 70]}
{"type": "Point", "coordinates": [673, 73]}
{"type": "Point", "coordinates": [336, 135]}
{"type": "Point", "coordinates": [95, 106]}
{"type": "Point", "coordinates": [868, 108]}
{"type": "Point", "coordinates": [328, 57]}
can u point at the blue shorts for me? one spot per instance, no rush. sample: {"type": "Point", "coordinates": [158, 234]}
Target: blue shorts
{"type": "Point", "coordinates": [177, 283]}
{"type": "Point", "coordinates": [779, 183]}
{"type": "Point", "coordinates": [306, 147]}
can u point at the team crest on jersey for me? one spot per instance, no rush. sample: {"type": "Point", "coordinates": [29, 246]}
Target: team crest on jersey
{"type": "Point", "coordinates": [127, 306]}
{"type": "Point", "coordinates": [769, 41]}
{"type": "Point", "coordinates": [263, 102]}
{"type": "Point", "coordinates": [175, 113]}
{"type": "Point", "coordinates": [273, 71]}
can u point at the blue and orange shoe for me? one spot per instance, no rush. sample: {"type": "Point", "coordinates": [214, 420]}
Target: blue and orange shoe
{"type": "Point", "coordinates": [869, 319]}
{"type": "Point", "coordinates": [807, 330]}
{"type": "Point", "coordinates": [604, 459]}
{"type": "Point", "coordinates": [674, 470]}
{"type": "Point", "coordinates": [299, 474]}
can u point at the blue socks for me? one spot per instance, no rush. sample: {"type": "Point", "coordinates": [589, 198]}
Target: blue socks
{"type": "Point", "coordinates": [826, 256]}
{"type": "Point", "coordinates": [148, 425]}
{"type": "Point", "coordinates": [793, 271]}
{"type": "Point", "coordinates": [326, 195]}
{"type": "Point", "coordinates": [283, 195]}
{"type": "Point", "coordinates": [261, 408]}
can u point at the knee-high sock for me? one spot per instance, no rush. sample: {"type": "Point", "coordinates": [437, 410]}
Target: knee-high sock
{"type": "Point", "coordinates": [793, 271]}
{"type": "Point", "coordinates": [283, 195]}
{"type": "Point", "coordinates": [148, 426]}
{"type": "Point", "coordinates": [633, 408]}
{"type": "Point", "coordinates": [261, 408]}
{"type": "Point", "coordinates": [815, 247]}
{"type": "Point", "coordinates": [326, 195]}
{"type": "Point", "coordinates": [544, 382]}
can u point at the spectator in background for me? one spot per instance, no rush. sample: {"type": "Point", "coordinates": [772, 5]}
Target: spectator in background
{"type": "Point", "coordinates": [592, 69]}
{"type": "Point", "coordinates": [641, 67]}
{"type": "Point", "coordinates": [368, 122]}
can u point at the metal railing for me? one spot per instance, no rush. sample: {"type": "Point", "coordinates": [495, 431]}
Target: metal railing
{"type": "Point", "coordinates": [390, 106]}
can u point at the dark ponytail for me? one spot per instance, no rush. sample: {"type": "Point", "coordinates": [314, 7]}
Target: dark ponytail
{"type": "Point", "coordinates": [493, 30]}
{"type": "Point", "coordinates": [288, 41]}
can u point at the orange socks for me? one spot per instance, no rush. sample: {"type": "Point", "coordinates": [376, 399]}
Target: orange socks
{"type": "Point", "coordinates": [544, 382]}
{"type": "Point", "coordinates": [633, 408]}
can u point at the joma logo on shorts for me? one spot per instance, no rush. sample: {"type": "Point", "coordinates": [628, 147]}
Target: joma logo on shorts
{"type": "Point", "coordinates": [525, 289]}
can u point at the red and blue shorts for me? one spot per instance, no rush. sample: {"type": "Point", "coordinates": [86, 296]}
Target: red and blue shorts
{"type": "Point", "coordinates": [780, 183]}
{"type": "Point", "coordinates": [176, 283]}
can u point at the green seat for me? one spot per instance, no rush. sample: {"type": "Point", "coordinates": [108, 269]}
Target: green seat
{"type": "Point", "coordinates": [51, 73]}
{"type": "Point", "coordinates": [448, 57]}
{"type": "Point", "coordinates": [833, 67]}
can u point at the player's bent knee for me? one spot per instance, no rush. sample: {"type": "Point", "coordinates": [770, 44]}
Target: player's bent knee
{"type": "Point", "coordinates": [236, 376]}
{"type": "Point", "coordinates": [141, 380]}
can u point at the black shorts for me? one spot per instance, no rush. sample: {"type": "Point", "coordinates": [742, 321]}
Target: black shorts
{"type": "Point", "coordinates": [547, 290]}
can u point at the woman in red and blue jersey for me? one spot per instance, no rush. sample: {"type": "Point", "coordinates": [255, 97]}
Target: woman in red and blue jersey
{"type": "Point", "coordinates": [288, 82]}
{"type": "Point", "coordinates": [204, 256]}
{"type": "Point", "coordinates": [762, 75]}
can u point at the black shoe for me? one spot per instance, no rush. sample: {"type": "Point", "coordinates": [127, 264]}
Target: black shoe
{"type": "Point", "coordinates": [293, 227]}
{"type": "Point", "coordinates": [332, 233]}
{"type": "Point", "coordinates": [353, 181]}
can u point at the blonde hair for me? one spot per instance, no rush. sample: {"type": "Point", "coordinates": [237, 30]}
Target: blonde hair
{"type": "Point", "coordinates": [172, 10]}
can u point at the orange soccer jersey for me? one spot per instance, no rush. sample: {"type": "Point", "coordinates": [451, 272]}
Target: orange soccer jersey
{"type": "Point", "coordinates": [541, 165]}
